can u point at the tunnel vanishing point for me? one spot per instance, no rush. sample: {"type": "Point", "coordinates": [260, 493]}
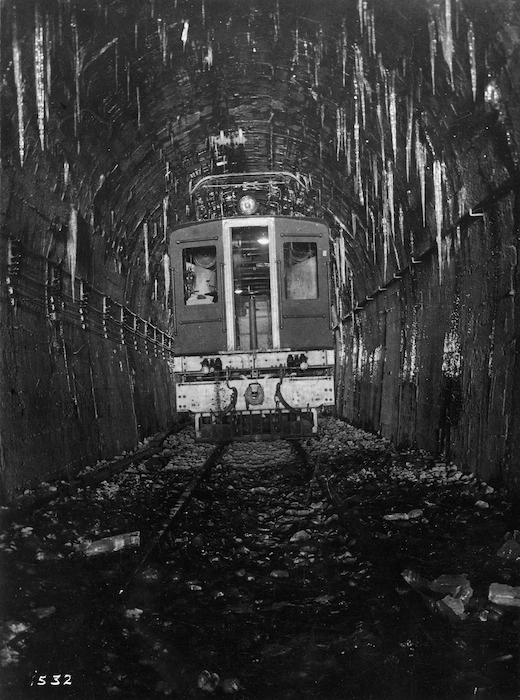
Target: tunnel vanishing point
{"type": "Point", "coordinates": [401, 116]}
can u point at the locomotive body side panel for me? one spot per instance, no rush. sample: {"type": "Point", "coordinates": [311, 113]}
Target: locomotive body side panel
{"type": "Point", "coordinates": [198, 288]}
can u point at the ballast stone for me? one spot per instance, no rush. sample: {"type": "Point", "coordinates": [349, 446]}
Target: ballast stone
{"type": "Point", "coordinates": [502, 594]}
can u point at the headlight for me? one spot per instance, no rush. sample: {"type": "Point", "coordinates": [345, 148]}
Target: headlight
{"type": "Point", "coordinates": [247, 205]}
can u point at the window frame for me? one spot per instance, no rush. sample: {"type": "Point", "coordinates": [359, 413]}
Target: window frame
{"type": "Point", "coordinates": [229, 293]}
{"type": "Point", "coordinates": [286, 268]}
{"type": "Point", "coordinates": [215, 271]}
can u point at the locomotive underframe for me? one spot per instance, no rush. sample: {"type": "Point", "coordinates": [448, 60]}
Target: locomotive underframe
{"type": "Point", "coordinates": [255, 426]}
{"type": "Point", "coordinates": [253, 398]}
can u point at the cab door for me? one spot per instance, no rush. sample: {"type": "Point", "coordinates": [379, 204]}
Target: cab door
{"type": "Point", "coordinates": [198, 288]}
{"type": "Point", "coordinates": [302, 260]}
{"type": "Point", "coordinates": [251, 284]}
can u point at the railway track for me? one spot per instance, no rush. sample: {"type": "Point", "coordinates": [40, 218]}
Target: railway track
{"type": "Point", "coordinates": [181, 501]}
{"type": "Point", "coordinates": [157, 494]}
{"type": "Point", "coordinates": [268, 572]}
{"type": "Point", "coordinates": [232, 514]}
{"type": "Point", "coordinates": [177, 509]}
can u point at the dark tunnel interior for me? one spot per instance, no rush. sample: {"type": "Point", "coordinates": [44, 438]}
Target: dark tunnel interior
{"type": "Point", "coordinates": [403, 119]}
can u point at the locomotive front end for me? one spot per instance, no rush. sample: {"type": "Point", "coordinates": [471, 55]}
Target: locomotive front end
{"type": "Point", "coordinates": [265, 395]}
{"type": "Point", "coordinates": [252, 315]}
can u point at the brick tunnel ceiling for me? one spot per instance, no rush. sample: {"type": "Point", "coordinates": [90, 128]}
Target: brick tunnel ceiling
{"type": "Point", "coordinates": [125, 102]}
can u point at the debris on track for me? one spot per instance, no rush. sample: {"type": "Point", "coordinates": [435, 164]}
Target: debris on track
{"type": "Point", "coordinates": [378, 573]}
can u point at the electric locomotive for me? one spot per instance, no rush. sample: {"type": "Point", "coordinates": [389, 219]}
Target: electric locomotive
{"type": "Point", "coordinates": [254, 351]}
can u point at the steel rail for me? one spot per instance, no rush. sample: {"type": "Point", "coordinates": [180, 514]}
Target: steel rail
{"type": "Point", "coordinates": [176, 510]}
{"type": "Point", "coordinates": [116, 466]}
{"type": "Point", "coordinates": [311, 468]}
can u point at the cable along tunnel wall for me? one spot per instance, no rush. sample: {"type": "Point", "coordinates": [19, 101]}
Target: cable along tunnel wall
{"type": "Point", "coordinates": [73, 397]}
{"type": "Point", "coordinates": [82, 377]}
{"type": "Point", "coordinates": [432, 360]}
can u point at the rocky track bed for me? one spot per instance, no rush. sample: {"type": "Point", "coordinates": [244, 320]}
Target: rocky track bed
{"type": "Point", "coordinates": [365, 574]}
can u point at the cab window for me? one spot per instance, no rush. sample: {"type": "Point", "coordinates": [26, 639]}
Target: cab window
{"type": "Point", "coordinates": [200, 275]}
{"type": "Point", "coordinates": [300, 270]}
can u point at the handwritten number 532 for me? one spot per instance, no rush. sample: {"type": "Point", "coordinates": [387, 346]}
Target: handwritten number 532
{"type": "Point", "coordinates": [55, 679]}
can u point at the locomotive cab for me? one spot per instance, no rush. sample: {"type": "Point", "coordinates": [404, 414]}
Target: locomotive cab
{"type": "Point", "coordinates": [252, 326]}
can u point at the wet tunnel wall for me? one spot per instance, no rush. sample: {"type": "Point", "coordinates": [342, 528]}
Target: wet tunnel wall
{"type": "Point", "coordinates": [431, 355]}
{"type": "Point", "coordinates": [404, 119]}
{"type": "Point", "coordinates": [83, 377]}
{"type": "Point", "coordinates": [434, 364]}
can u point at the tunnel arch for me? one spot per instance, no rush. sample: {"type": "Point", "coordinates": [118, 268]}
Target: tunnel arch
{"type": "Point", "coordinates": [404, 116]}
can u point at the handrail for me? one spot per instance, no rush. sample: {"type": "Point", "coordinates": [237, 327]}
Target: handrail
{"type": "Point", "coordinates": [232, 404]}
{"type": "Point", "coordinates": [221, 299]}
{"type": "Point", "coordinates": [174, 299]}
{"type": "Point", "coordinates": [278, 395]}
{"type": "Point", "coordinates": [329, 296]}
{"type": "Point", "coordinates": [279, 275]}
